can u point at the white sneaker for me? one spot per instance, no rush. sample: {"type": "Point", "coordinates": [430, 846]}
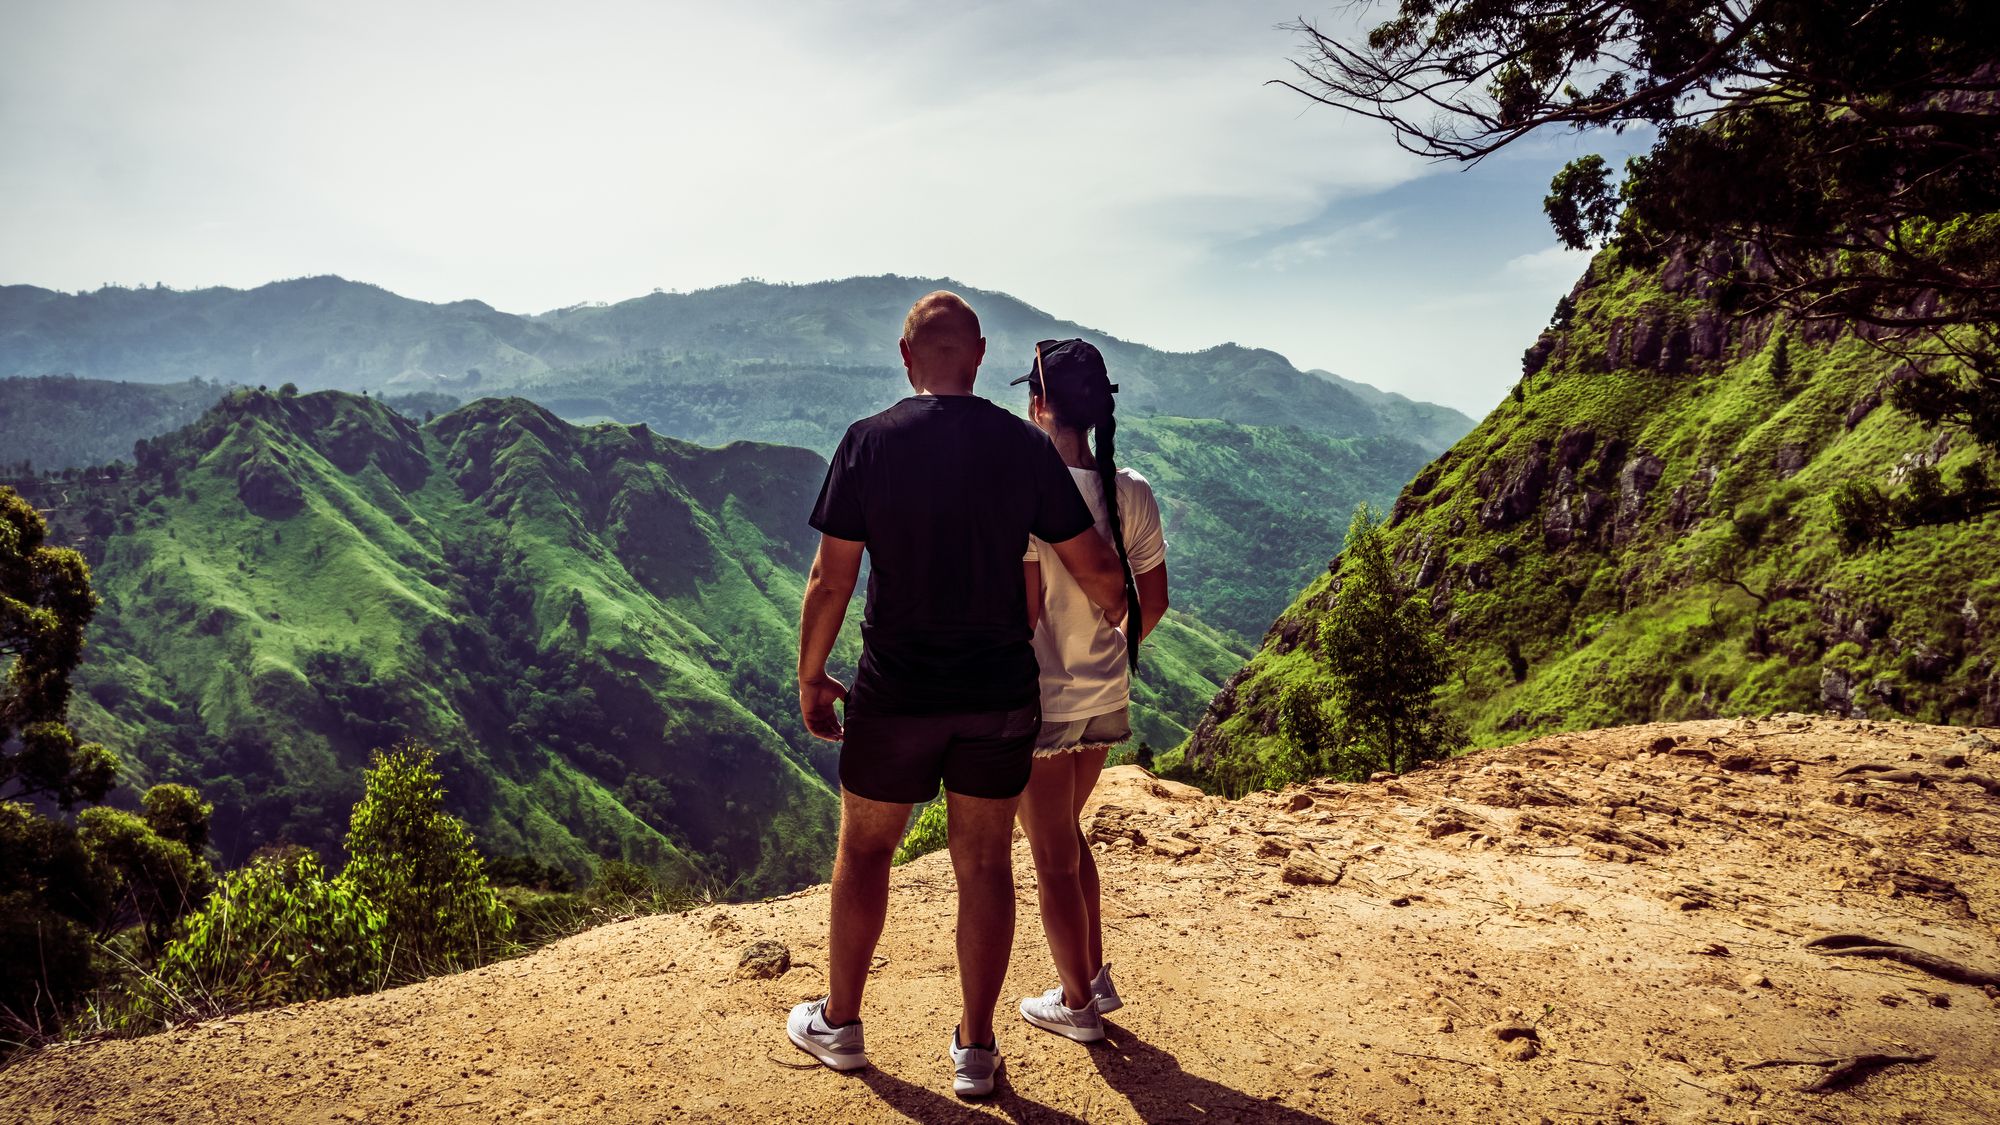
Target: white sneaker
{"type": "Point", "coordinates": [973, 1068]}
{"type": "Point", "coordinates": [1103, 994]}
{"type": "Point", "coordinates": [837, 1047]}
{"type": "Point", "coordinates": [1048, 1013]}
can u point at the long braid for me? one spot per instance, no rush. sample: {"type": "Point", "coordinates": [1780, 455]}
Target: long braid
{"type": "Point", "coordinates": [1107, 474]}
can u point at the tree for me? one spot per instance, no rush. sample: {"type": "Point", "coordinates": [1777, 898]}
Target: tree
{"type": "Point", "coordinates": [1374, 706]}
{"type": "Point", "coordinates": [45, 603]}
{"type": "Point", "coordinates": [1834, 159]}
{"type": "Point", "coordinates": [417, 864]}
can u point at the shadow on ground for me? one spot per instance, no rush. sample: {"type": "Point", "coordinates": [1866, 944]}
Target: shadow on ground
{"type": "Point", "coordinates": [1133, 1070]}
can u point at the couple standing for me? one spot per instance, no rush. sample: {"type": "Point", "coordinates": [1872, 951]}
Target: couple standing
{"type": "Point", "coordinates": [1005, 556]}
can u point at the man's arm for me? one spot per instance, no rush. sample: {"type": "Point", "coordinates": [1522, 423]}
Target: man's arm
{"type": "Point", "coordinates": [1095, 566]}
{"type": "Point", "coordinates": [835, 569]}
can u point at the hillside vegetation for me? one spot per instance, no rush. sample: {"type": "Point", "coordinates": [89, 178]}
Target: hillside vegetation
{"type": "Point", "coordinates": [595, 626]}
{"type": "Point", "coordinates": [1647, 530]}
{"type": "Point", "coordinates": [590, 624]}
{"type": "Point", "coordinates": [63, 422]}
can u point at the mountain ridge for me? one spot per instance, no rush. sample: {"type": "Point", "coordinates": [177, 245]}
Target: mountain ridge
{"type": "Point", "coordinates": [330, 332]}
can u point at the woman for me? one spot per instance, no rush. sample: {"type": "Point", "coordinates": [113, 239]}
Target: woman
{"type": "Point", "coordinates": [1086, 677]}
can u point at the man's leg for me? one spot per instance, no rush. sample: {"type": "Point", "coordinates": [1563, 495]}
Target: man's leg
{"type": "Point", "coordinates": [869, 833]}
{"type": "Point", "coordinates": [981, 832]}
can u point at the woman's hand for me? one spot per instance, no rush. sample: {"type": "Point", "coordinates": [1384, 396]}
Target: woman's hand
{"type": "Point", "coordinates": [817, 695]}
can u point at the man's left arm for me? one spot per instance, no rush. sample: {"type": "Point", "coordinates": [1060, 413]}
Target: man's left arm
{"type": "Point", "coordinates": [835, 570]}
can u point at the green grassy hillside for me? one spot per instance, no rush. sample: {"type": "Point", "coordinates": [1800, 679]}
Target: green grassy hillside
{"type": "Point", "coordinates": [593, 625]}
{"type": "Point", "coordinates": [1645, 531]}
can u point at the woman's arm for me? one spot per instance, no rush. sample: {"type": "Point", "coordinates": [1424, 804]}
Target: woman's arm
{"type": "Point", "coordinates": [1031, 573]}
{"type": "Point", "coordinates": [1152, 598]}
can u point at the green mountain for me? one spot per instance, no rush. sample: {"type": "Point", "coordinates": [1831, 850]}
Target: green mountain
{"type": "Point", "coordinates": [328, 332]}
{"type": "Point", "coordinates": [593, 625]}
{"type": "Point", "coordinates": [596, 626]}
{"type": "Point", "coordinates": [1646, 531]}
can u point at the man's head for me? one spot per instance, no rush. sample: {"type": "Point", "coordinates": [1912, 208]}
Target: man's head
{"type": "Point", "coordinates": [941, 344]}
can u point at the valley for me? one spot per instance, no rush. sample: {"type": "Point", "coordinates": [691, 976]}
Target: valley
{"type": "Point", "coordinates": [592, 622]}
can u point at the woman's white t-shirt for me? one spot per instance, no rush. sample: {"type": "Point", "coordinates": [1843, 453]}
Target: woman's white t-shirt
{"type": "Point", "coordinates": [1083, 657]}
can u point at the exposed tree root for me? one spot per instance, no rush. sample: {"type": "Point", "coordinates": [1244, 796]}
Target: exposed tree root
{"type": "Point", "coordinates": [1861, 945]}
{"type": "Point", "coordinates": [1843, 1072]}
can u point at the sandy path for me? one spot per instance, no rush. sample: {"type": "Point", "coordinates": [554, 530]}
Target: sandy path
{"type": "Point", "coordinates": [1643, 914]}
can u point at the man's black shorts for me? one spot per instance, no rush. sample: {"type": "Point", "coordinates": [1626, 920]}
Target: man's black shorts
{"type": "Point", "coordinates": [901, 759]}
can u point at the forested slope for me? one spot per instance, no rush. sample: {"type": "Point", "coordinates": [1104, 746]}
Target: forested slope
{"type": "Point", "coordinates": [1647, 530]}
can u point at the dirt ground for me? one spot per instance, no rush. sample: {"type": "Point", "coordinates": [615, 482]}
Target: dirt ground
{"type": "Point", "coordinates": [1607, 926]}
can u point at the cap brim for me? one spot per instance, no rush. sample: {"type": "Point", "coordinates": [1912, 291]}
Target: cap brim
{"type": "Point", "coordinates": [1022, 379]}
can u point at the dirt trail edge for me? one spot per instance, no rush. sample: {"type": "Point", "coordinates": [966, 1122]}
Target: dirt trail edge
{"type": "Point", "coordinates": [1608, 926]}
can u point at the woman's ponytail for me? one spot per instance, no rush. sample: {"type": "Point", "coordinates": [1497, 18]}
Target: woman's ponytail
{"type": "Point", "coordinates": [1107, 474]}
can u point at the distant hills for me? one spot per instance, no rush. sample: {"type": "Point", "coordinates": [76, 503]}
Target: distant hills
{"type": "Point", "coordinates": [326, 332]}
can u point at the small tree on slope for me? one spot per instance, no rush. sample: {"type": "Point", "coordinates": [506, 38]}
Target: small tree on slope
{"type": "Point", "coordinates": [415, 862]}
{"type": "Point", "coordinates": [1375, 707]}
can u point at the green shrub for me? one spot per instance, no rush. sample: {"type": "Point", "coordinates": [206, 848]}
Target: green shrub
{"type": "Point", "coordinates": [179, 814]}
{"type": "Point", "coordinates": [150, 881]}
{"type": "Point", "coordinates": [415, 863]}
{"type": "Point", "coordinates": [1374, 704]}
{"type": "Point", "coordinates": [277, 931]}
{"type": "Point", "coordinates": [927, 833]}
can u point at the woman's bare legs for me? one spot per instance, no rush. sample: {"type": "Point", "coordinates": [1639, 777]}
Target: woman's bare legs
{"type": "Point", "coordinates": [1048, 812]}
{"type": "Point", "coordinates": [1089, 764]}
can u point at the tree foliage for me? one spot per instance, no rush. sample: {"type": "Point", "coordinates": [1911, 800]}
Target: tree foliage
{"type": "Point", "coordinates": [1374, 706]}
{"type": "Point", "coordinates": [45, 603]}
{"type": "Point", "coordinates": [1834, 159]}
{"type": "Point", "coordinates": [276, 932]}
{"type": "Point", "coordinates": [417, 864]}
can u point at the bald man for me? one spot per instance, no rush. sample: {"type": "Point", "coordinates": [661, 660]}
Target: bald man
{"type": "Point", "coordinates": [942, 491]}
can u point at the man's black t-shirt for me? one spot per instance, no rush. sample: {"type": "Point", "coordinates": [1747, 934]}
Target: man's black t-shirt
{"type": "Point", "coordinates": [945, 490]}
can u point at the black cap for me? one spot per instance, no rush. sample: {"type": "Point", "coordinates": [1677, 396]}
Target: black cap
{"type": "Point", "coordinates": [1071, 363]}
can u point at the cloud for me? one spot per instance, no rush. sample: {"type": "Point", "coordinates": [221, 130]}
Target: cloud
{"type": "Point", "coordinates": [1555, 265]}
{"type": "Point", "coordinates": [1312, 248]}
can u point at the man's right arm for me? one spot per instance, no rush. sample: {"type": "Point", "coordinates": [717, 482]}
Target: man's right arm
{"type": "Point", "coordinates": [1095, 566]}
{"type": "Point", "coordinates": [835, 569]}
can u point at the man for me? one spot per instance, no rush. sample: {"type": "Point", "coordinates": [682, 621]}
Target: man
{"type": "Point", "coordinates": [942, 490]}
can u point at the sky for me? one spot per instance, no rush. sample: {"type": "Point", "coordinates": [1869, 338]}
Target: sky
{"type": "Point", "coordinates": [1119, 164]}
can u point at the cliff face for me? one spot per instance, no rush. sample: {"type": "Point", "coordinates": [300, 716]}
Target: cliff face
{"type": "Point", "coordinates": [1645, 531]}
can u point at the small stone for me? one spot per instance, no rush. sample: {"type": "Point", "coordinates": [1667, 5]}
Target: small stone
{"type": "Point", "coordinates": [1520, 1050]}
{"type": "Point", "coordinates": [1303, 868]}
{"type": "Point", "coordinates": [1443, 1025]}
{"type": "Point", "coordinates": [721, 923]}
{"type": "Point", "coordinates": [764, 960]}
{"type": "Point", "coordinates": [1270, 847]}
{"type": "Point", "coordinates": [1381, 775]}
{"type": "Point", "coordinates": [1173, 847]}
{"type": "Point", "coordinates": [1756, 980]}
{"type": "Point", "coordinates": [1298, 802]}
